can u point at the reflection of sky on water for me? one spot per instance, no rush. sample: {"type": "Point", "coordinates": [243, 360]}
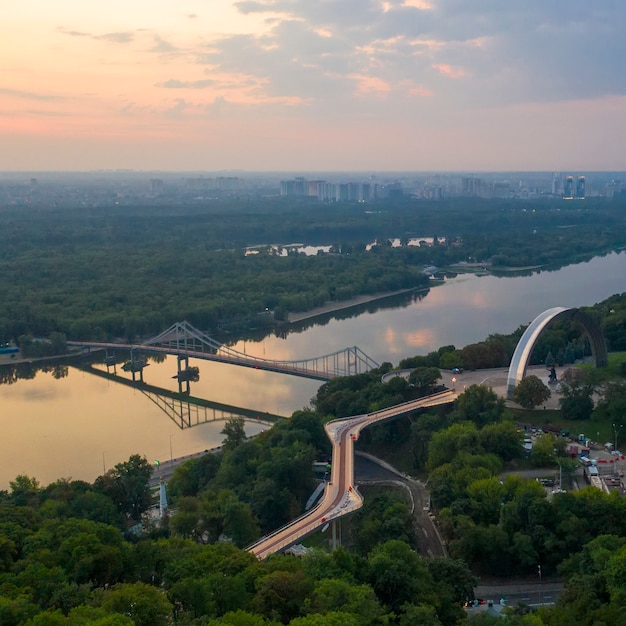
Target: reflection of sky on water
{"type": "Point", "coordinates": [62, 428]}
{"type": "Point", "coordinates": [87, 421]}
{"type": "Point", "coordinates": [465, 309]}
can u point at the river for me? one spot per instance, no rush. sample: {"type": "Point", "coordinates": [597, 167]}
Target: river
{"type": "Point", "coordinates": [79, 425]}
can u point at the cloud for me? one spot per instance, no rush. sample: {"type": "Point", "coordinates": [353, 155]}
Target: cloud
{"type": "Point", "coordinates": [447, 70]}
{"type": "Point", "coordinates": [172, 83]}
{"type": "Point", "coordinates": [162, 46]}
{"type": "Point", "coordinates": [30, 95]}
{"type": "Point", "coordinates": [499, 52]}
{"type": "Point", "coordinates": [118, 37]}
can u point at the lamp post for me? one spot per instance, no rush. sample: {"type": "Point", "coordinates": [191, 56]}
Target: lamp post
{"type": "Point", "coordinates": [615, 435]}
{"type": "Point", "coordinates": [171, 456]}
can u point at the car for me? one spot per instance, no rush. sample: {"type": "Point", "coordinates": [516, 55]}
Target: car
{"type": "Point", "coordinates": [457, 370]}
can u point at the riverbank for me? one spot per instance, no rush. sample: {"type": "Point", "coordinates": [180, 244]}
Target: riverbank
{"type": "Point", "coordinates": [331, 307]}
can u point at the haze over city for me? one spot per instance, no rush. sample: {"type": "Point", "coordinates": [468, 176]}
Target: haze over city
{"type": "Point", "coordinates": [288, 85]}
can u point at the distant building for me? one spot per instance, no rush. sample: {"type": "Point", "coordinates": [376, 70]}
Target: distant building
{"type": "Point", "coordinates": [470, 186]}
{"type": "Point", "coordinates": [568, 191]}
{"type": "Point", "coordinates": [156, 186]}
{"type": "Point", "coordinates": [580, 188]}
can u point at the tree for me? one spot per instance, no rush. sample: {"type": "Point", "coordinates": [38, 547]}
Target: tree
{"type": "Point", "coordinates": [576, 401]}
{"type": "Point", "coordinates": [334, 595]}
{"type": "Point", "coordinates": [24, 490]}
{"type": "Point", "coordinates": [334, 618]}
{"type": "Point", "coordinates": [127, 484]}
{"type": "Point", "coordinates": [234, 432]}
{"type": "Point", "coordinates": [144, 604]}
{"type": "Point", "coordinates": [281, 595]}
{"type": "Point", "coordinates": [446, 444]}
{"type": "Point", "coordinates": [398, 574]}
{"type": "Point", "coordinates": [486, 497]}
{"type": "Point", "coordinates": [424, 380]}
{"type": "Point", "coordinates": [502, 439]}
{"type": "Point", "coordinates": [480, 405]}
{"type": "Point", "coordinates": [454, 574]}
{"type": "Point", "coordinates": [241, 618]}
{"type": "Point", "coordinates": [542, 454]}
{"type": "Point", "coordinates": [531, 392]}
{"type": "Point", "coordinates": [421, 615]}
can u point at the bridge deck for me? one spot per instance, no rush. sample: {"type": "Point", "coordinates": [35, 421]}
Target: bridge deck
{"type": "Point", "coordinates": [340, 498]}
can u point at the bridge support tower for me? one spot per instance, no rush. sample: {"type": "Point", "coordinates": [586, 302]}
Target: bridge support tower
{"type": "Point", "coordinates": [335, 534]}
{"type": "Point", "coordinates": [183, 365]}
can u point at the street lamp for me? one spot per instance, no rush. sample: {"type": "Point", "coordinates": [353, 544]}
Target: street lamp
{"type": "Point", "coordinates": [171, 456]}
{"type": "Point", "coordinates": [615, 434]}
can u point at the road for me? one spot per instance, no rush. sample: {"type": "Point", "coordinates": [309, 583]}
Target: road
{"type": "Point", "coordinates": [533, 593]}
{"type": "Point", "coordinates": [495, 379]}
{"type": "Point", "coordinates": [340, 497]}
{"type": "Point", "coordinates": [373, 471]}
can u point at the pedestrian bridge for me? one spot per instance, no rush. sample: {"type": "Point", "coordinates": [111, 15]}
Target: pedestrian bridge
{"type": "Point", "coordinates": [185, 341]}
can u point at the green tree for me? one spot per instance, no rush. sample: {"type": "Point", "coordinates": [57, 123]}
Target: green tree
{"type": "Point", "coordinates": [543, 452]}
{"type": "Point", "coordinates": [145, 605]}
{"type": "Point", "coordinates": [334, 618]}
{"type": "Point", "coordinates": [478, 404]}
{"type": "Point", "coordinates": [24, 490]}
{"type": "Point", "coordinates": [486, 497]}
{"type": "Point", "coordinates": [420, 615]}
{"type": "Point", "coordinates": [127, 484]}
{"type": "Point", "coordinates": [398, 574]}
{"type": "Point", "coordinates": [240, 618]}
{"type": "Point", "coordinates": [454, 574]}
{"type": "Point", "coordinates": [531, 392]}
{"type": "Point", "coordinates": [576, 403]}
{"type": "Point", "coordinates": [447, 443]}
{"type": "Point", "coordinates": [424, 380]}
{"type": "Point", "coordinates": [281, 595]}
{"type": "Point", "coordinates": [234, 433]}
{"type": "Point", "coordinates": [502, 439]}
{"type": "Point", "coordinates": [333, 595]}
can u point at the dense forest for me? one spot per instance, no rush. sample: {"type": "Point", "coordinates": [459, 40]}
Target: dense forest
{"type": "Point", "coordinates": [74, 553]}
{"type": "Point", "coordinates": [127, 272]}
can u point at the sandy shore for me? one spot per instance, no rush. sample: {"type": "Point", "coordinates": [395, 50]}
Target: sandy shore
{"type": "Point", "coordinates": [331, 307]}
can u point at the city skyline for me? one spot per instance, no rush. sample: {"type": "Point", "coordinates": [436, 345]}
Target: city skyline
{"type": "Point", "coordinates": [290, 85]}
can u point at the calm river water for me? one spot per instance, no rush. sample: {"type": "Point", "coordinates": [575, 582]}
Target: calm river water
{"type": "Point", "coordinates": [76, 426]}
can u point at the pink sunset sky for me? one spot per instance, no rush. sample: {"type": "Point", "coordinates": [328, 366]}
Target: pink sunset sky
{"type": "Point", "coordinates": [313, 85]}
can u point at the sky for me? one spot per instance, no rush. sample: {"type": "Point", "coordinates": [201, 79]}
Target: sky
{"type": "Point", "coordinates": [313, 85]}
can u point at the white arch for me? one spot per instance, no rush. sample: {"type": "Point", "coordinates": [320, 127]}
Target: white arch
{"type": "Point", "coordinates": [521, 356]}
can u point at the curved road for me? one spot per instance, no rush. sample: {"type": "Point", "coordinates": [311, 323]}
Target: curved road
{"type": "Point", "coordinates": [340, 497]}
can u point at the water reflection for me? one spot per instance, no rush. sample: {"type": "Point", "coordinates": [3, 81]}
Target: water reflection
{"type": "Point", "coordinates": [464, 309]}
{"type": "Point", "coordinates": [183, 409]}
{"type": "Point", "coordinates": [64, 422]}
{"type": "Point", "coordinates": [12, 372]}
{"type": "Point", "coordinates": [81, 424]}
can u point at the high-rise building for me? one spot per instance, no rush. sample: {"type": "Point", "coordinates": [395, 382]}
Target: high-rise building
{"type": "Point", "coordinates": [156, 186]}
{"type": "Point", "coordinates": [580, 187]}
{"type": "Point", "coordinates": [470, 186]}
{"type": "Point", "coordinates": [568, 191]}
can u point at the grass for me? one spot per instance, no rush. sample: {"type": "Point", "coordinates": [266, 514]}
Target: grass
{"type": "Point", "coordinates": [612, 372]}
{"type": "Point", "coordinates": [596, 431]}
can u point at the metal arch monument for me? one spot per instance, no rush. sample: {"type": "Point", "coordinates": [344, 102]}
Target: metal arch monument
{"type": "Point", "coordinates": [521, 356]}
